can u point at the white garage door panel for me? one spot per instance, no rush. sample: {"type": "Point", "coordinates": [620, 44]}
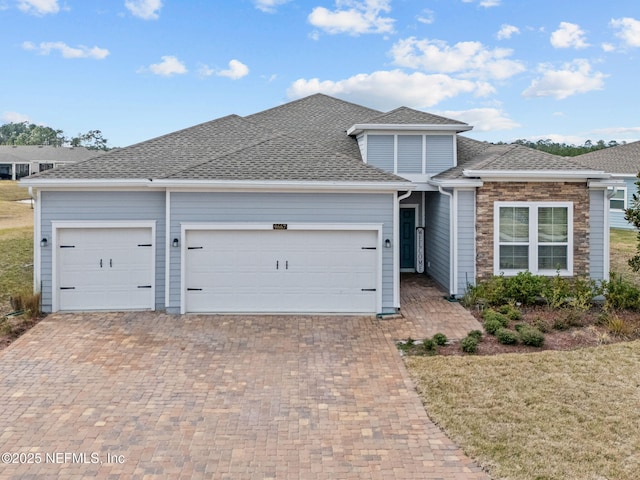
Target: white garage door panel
{"type": "Point", "coordinates": [281, 271]}
{"type": "Point", "coordinates": [105, 268]}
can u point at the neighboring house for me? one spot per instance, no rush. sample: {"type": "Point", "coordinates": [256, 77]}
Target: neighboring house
{"type": "Point", "coordinates": [623, 161]}
{"type": "Point", "coordinates": [313, 206]}
{"type": "Point", "coordinates": [18, 161]}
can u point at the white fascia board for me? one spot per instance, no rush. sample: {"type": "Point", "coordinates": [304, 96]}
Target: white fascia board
{"type": "Point", "coordinates": [624, 175]}
{"type": "Point", "coordinates": [457, 183]}
{"type": "Point", "coordinates": [84, 182]}
{"type": "Point", "coordinates": [536, 175]}
{"type": "Point", "coordinates": [611, 183]}
{"type": "Point", "coordinates": [359, 128]}
{"type": "Point", "coordinates": [259, 185]}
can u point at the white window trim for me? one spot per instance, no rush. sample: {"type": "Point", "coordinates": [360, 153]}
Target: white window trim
{"type": "Point", "coordinates": [533, 238]}
{"type": "Point", "coordinates": [624, 199]}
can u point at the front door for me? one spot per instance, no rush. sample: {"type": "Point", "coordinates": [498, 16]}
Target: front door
{"type": "Point", "coordinates": [407, 238]}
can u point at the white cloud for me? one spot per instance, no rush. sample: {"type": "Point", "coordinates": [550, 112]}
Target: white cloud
{"type": "Point", "coordinates": [427, 16]}
{"type": "Point", "coordinates": [569, 35]}
{"type": "Point", "coordinates": [269, 6]}
{"type": "Point", "coordinates": [45, 48]}
{"type": "Point", "coordinates": [388, 89]}
{"type": "Point", "coordinates": [483, 119]}
{"type": "Point", "coordinates": [507, 31]}
{"type": "Point", "coordinates": [169, 66]}
{"type": "Point", "coordinates": [608, 47]}
{"type": "Point", "coordinates": [575, 77]}
{"type": "Point", "coordinates": [354, 17]}
{"type": "Point", "coordinates": [470, 59]}
{"type": "Point", "coordinates": [485, 3]}
{"type": "Point", "coordinates": [236, 70]}
{"type": "Point", "coordinates": [38, 7]}
{"type": "Point", "coordinates": [628, 29]}
{"type": "Point", "coordinates": [145, 9]}
{"type": "Point", "coordinates": [15, 117]}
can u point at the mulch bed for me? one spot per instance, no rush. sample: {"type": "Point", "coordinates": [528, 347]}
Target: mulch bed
{"type": "Point", "coordinates": [565, 329]}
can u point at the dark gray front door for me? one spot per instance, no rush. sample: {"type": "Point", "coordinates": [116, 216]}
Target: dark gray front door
{"type": "Point", "coordinates": [407, 238]}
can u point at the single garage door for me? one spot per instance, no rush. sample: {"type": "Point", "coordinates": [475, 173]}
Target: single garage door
{"type": "Point", "coordinates": [105, 268]}
{"type": "Point", "coordinates": [281, 271]}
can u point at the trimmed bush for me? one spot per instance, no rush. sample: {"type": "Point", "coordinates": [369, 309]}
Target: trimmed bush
{"type": "Point", "coordinates": [440, 339]}
{"type": "Point", "coordinates": [490, 314]}
{"type": "Point", "coordinates": [506, 336]}
{"type": "Point", "coordinates": [492, 326]}
{"type": "Point", "coordinates": [531, 336]}
{"type": "Point", "coordinates": [429, 345]}
{"type": "Point", "coordinates": [510, 311]}
{"type": "Point", "coordinates": [477, 334]}
{"type": "Point", "coordinates": [620, 294]}
{"type": "Point", "coordinates": [469, 344]}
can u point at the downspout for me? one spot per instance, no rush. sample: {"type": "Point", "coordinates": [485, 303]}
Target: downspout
{"type": "Point", "coordinates": [607, 241]}
{"type": "Point", "coordinates": [396, 248]}
{"type": "Point", "coordinates": [453, 242]}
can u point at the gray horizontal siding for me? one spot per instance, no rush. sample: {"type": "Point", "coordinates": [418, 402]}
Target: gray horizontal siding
{"type": "Point", "coordinates": [409, 153]}
{"type": "Point", "coordinates": [107, 206]}
{"type": "Point", "coordinates": [597, 232]}
{"type": "Point", "coordinates": [438, 238]}
{"type": "Point", "coordinates": [439, 153]}
{"type": "Point", "coordinates": [282, 208]}
{"type": "Point", "coordinates": [380, 151]}
{"type": "Point", "coordinates": [466, 240]}
{"type": "Point", "coordinates": [616, 217]}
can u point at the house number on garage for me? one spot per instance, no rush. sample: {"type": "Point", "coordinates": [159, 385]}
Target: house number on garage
{"type": "Point", "coordinates": [279, 226]}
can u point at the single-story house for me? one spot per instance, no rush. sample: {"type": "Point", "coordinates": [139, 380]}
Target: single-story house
{"type": "Point", "coordinates": [623, 161]}
{"type": "Point", "coordinates": [316, 205]}
{"type": "Point", "coordinates": [18, 161]}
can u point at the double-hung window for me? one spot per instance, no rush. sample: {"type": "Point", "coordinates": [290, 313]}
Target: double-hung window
{"type": "Point", "coordinates": [534, 236]}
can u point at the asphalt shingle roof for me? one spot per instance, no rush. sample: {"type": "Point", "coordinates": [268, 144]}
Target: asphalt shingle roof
{"type": "Point", "coordinates": [45, 153]}
{"type": "Point", "coordinates": [622, 159]}
{"type": "Point", "coordinates": [474, 155]}
{"type": "Point", "coordinates": [304, 140]}
{"type": "Point", "coordinates": [405, 115]}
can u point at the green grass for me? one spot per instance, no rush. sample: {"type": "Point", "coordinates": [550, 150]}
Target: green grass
{"type": "Point", "coordinates": [10, 192]}
{"type": "Point", "coordinates": [549, 415]}
{"type": "Point", "coordinates": [623, 247]}
{"type": "Point", "coordinates": [16, 264]}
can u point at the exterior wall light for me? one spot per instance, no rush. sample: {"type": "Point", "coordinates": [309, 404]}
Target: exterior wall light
{"type": "Point", "coordinates": [175, 242]}
{"type": "Point", "coordinates": [387, 243]}
{"type": "Point", "coordinates": [44, 242]}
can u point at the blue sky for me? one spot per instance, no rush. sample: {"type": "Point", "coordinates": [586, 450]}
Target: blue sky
{"type": "Point", "coordinates": [135, 69]}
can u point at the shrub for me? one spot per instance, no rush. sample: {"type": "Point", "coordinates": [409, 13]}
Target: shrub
{"type": "Point", "coordinates": [477, 334]}
{"type": "Point", "coordinates": [492, 291]}
{"type": "Point", "coordinates": [531, 336]}
{"type": "Point", "coordinates": [490, 314]}
{"type": "Point", "coordinates": [584, 290]}
{"type": "Point", "coordinates": [492, 326]}
{"type": "Point", "coordinates": [542, 324]}
{"type": "Point", "coordinates": [525, 288]}
{"type": "Point", "coordinates": [440, 339]}
{"type": "Point", "coordinates": [510, 311]}
{"type": "Point", "coordinates": [555, 291]}
{"type": "Point", "coordinates": [469, 344]}
{"type": "Point", "coordinates": [506, 336]}
{"type": "Point", "coordinates": [429, 345]}
{"type": "Point", "coordinates": [620, 294]}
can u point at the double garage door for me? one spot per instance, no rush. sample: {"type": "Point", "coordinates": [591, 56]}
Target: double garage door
{"type": "Point", "coordinates": [281, 271]}
{"type": "Point", "coordinates": [222, 270]}
{"type": "Point", "coordinates": [105, 268]}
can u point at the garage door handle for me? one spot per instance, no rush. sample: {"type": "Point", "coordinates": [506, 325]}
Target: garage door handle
{"type": "Point", "coordinates": [100, 263]}
{"type": "Point", "coordinates": [144, 286]}
{"type": "Point", "coordinates": [368, 289]}
{"type": "Point", "coordinates": [287, 264]}
{"type": "Point", "coordinates": [111, 262]}
{"type": "Point", "coordinates": [67, 288]}
{"type": "Point", "coordinates": [277, 265]}
{"type": "Point", "coordinates": [369, 248]}
{"type": "Point", "coordinates": [194, 289]}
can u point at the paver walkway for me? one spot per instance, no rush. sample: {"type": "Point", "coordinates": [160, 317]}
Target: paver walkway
{"type": "Point", "coordinates": [149, 395]}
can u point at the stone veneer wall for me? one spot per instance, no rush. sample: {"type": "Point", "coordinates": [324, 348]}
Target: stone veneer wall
{"type": "Point", "coordinates": [491, 192]}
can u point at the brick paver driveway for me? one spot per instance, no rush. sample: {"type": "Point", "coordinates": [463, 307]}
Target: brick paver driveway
{"type": "Point", "coordinates": [149, 395]}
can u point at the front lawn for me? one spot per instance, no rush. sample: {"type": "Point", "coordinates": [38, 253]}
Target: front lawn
{"type": "Point", "coordinates": [548, 415]}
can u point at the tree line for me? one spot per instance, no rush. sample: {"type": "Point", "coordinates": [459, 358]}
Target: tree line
{"type": "Point", "coordinates": [564, 149]}
{"type": "Point", "coordinates": [26, 133]}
